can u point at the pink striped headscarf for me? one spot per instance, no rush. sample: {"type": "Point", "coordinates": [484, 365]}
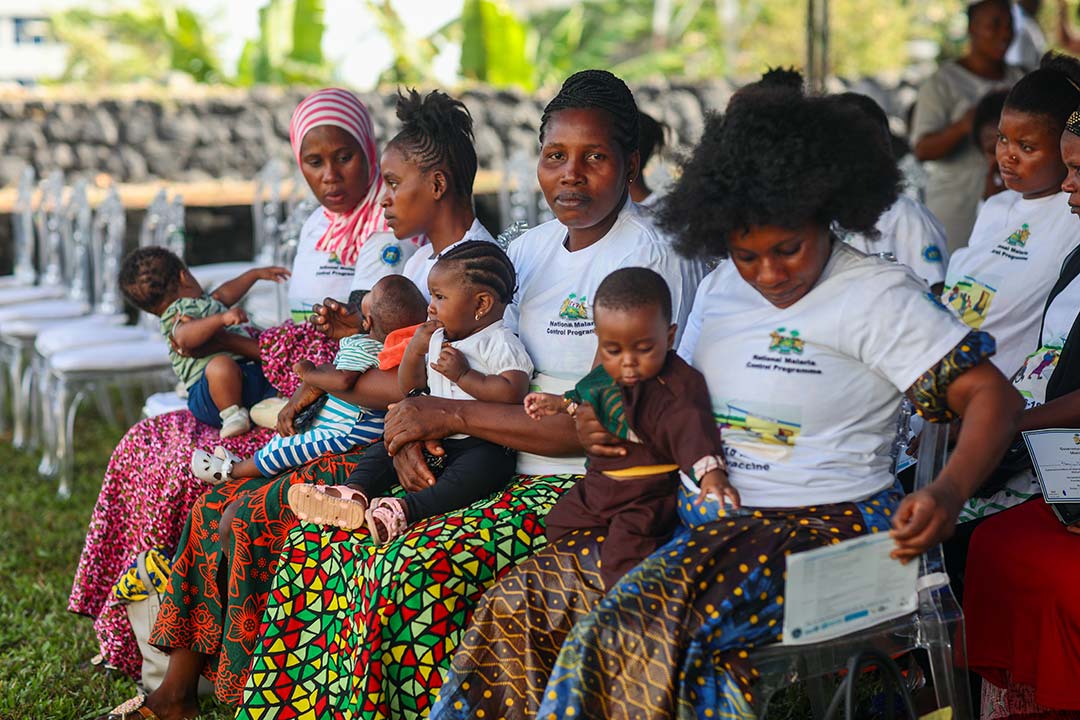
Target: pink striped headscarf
{"type": "Point", "coordinates": [340, 108]}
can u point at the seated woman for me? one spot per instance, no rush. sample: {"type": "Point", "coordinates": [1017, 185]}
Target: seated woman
{"type": "Point", "coordinates": [206, 628]}
{"type": "Point", "coordinates": [394, 613]}
{"type": "Point", "coordinates": [148, 489]}
{"type": "Point", "coordinates": [1020, 602]}
{"type": "Point", "coordinates": [811, 465]}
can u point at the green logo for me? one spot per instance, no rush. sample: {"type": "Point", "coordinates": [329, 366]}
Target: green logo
{"type": "Point", "coordinates": [1020, 237]}
{"type": "Point", "coordinates": [785, 344]}
{"type": "Point", "coordinates": [574, 308]}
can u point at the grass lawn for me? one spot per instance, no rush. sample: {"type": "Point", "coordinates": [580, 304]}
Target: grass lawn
{"type": "Point", "coordinates": [43, 647]}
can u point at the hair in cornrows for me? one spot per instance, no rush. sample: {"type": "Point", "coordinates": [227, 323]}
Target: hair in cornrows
{"type": "Point", "coordinates": [650, 136]}
{"type": "Point", "coordinates": [1052, 91]}
{"type": "Point", "coordinates": [437, 132]}
{"type": "Point", "coordinates": [485, 264]}
{"type": "Point", "coordinates": [148, 275]}
{"type": "Point", "coordinates": [600, 90]}
{"type": "Point", "coordinates": [634, 288]}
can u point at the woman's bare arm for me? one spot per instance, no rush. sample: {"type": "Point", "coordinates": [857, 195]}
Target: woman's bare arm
{"type": "Point", "coordinates": [936, 145]}
{"type": "Point", "coordinates": [375, 389]}
{"type": "Point", "coordinates": [991, 410]}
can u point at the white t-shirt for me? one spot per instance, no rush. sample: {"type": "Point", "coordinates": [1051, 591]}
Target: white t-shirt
{"type": "Point", "coordinates": [912, 235]}
{"type": "Point", "coordinates": [491, 351]}
{"type": "Point", "coordinates": [806, 397]}
{"type": "Point", "coordinates": [316, 275]}
{"type": "Point", "coordinates": [381, 254]}
{"type": "Point", "coordinates": [552, 310]}
{"type": "Point", "coordinates": [1029, 41]}
{"type": "Point", "coordinates": [1031, 381]}
{"type": "Point", "coordinates": [1000, 282]}
{"type": "Point", "coordinates": [419, 265]}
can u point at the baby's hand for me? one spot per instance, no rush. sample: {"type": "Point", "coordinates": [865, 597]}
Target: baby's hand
{"type": "Point", "coordinates": [538, 404]}
{"type": "Point", "coordinates": [234, 316]}
{"type": "Point", "coordinates": [451, 363]}
{"type": "Point", "coordinates": [715, 483]}
{"type": "Point", "coordinates": [274, 273]}
{"type": "Point", "coordinates": [303, 366]}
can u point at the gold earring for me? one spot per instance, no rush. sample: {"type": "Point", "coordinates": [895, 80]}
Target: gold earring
{"type": "Point", "coordinates": [477, 317]}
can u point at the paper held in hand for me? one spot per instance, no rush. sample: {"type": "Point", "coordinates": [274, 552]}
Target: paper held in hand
{"type": "Point", "coordinates": [1056, 456]}
{"type": "Point", "coordinates": [838, 589]}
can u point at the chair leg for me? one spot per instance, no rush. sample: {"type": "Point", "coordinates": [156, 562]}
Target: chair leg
{"type": "Point", "coordinates": [67, 407]}
{"type": "Point", "coordinates": [817, 693]}
{"type": "Point", "coordinates": [47, 407]}
{"type": "Point", "coordinates": [19, 401]}
{"type": "Point", "coordinates": [5, 397]}
{"type": "Point", "coordinates": [948, 667]}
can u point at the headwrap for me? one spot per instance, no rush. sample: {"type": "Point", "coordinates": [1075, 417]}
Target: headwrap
{"type": "Point", "coordinates": [340, 108]}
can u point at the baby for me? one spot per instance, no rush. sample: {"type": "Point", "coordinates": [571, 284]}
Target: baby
{"type": "Point", "coordinates": [226, 379]}
{"type": "Point", "coordinates": [462, 352]}
{"type": "Point", "coordinates": [339, 426]}
{"type": "Point", "coordinates": [646, 395]}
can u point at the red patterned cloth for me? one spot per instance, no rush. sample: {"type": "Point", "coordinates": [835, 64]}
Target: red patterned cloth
{"type": "Point", "coordinates": [148, 492]}
{"type": "Point", "coordinates": [1022, 604]}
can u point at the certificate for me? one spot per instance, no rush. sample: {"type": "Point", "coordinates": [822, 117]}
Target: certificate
{"type": "Point", "coordinates": [838, 589]}
{"type": "Point", "coordinates": [1056, 457]}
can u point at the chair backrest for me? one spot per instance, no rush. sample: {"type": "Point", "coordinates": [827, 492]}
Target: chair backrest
{"type": "Point", "coordinates": [512, 232]}
{"type": "Point", "coordinates": [152, 220]}
{"type": "Point", "coordinates": [173, 234]}
{"type": "Point", "coordinates": [519, 196]}
{"type": "Point", "coordinates": [933, 452]}
{"type": "Point", "coordinates": [285, 251]}
{"type": "Point", "coordinates": [22, 228]}
{"type": "Point", "coordinates": [48, 218]}
{"type": "Point", "coordinates": [76, 228]}
{"type": "Point", "coordinates": [266, 211]}
{"type": "Point", "coordinates": [110, 224]}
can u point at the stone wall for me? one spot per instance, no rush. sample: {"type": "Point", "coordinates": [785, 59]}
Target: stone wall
{"type": "Point", "coordinates": [201, 133]}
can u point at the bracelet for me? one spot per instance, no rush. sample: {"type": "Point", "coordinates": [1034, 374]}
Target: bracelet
{"type": "Point", "coordinates": [418, 391]}
{"type": "Point", "coordinates": [571, 406]}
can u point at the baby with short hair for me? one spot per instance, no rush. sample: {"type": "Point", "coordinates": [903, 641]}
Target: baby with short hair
{"type": "Point", "coordinates": [649, 397]}
{"type": "Point", "coordinates": [221, 385]}
{"type": "Point", "coordinates": [394, 304]}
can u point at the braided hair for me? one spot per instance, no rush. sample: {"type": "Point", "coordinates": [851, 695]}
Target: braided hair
{"type": "Point", "coordinates": [485, 264]}
{"type": "Point", "coordinates": [650, 137]}
{"type": "Point", "coordinates": [149, 275]}
{"type": "Point", "coordinates": [437, 132]}
{"type": "Point", "coordinates": [598, 90]}
{"type": "Point", "coordinates": [1052, 91]}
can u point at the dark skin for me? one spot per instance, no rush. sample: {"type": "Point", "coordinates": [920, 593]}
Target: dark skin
{"type": "Point", "coordinates": [990, 31]}
{"type": "Point", "coordinates": [334, 167]}
{"type": "Point", "coordinates": [764, 257]}
{"type": "Point", "coordinates": [1029, 154]}
{"type": "Point", "coordinates": [584, 175]}
{"type": "Point", "coordinates": [1065, 410]}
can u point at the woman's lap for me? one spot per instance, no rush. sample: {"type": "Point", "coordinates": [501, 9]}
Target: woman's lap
{"type": "Point", "coordinates": [358, 631]}
{"type": "Point", "coordinates": [194, 614]}
{"type": "Point", "coordinates": [145, 499]}
{"type": "Point", "coordinates": [1020, 604]}
{"type": "Point", "coordinates": [629, 653]}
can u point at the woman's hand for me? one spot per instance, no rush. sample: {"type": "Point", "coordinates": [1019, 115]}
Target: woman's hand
{"type": "Point", "coordinates": [304, 396]}
{"type": "Point", "coordinates": [412, 469]}
{"type": "Point", "coordinates": [593, 436]}
{"type": "Point", "coordinates": [924, 519]}
{"type": "Point", "coordinates": [417, 419]}
{"type": "Point", "coordinates": [336, 320]}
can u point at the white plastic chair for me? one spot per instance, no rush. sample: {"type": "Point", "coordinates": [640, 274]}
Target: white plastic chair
{"type": "Point", "coordinates": [937, 626]}
{"type": "Point", "coordinates": [22, 232]}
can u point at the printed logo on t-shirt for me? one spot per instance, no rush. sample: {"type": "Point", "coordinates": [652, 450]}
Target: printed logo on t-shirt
{"type": "Point", "coordinates": [931, 253]}
{"type": "Point", "coordinates": [1076, 438]}
{"type": "Point", "coordinates": [391, 254]}
{"type": "Point", "coordinates": [574, 308]}
{"type": "Point", "coordinates": [971, 300]}
{"type": "Point", "coordinates": [1034, 375]}
{"type": "Point", "coordinates": [756, 433]}
{"type": "Point", "coordinates": [1013, 246]}
{"type": "Point", "coordinates": [785, 342]}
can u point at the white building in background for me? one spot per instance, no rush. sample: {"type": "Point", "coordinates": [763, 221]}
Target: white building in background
{"type": "Point", "coordinates": [28, 52]}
